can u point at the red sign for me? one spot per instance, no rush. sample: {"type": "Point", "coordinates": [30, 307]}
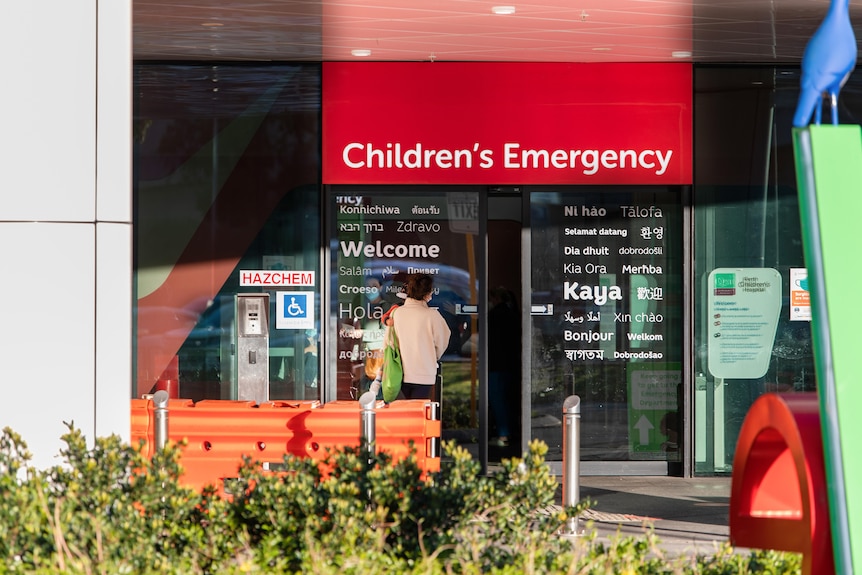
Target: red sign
{"type": "Point", "coordinates": [506, 123]}
{"type": "Point", "coordinates": [266, 278]}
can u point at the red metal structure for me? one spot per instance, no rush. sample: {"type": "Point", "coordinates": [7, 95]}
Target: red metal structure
{"type": "Point", "coordinates": [778, 497]}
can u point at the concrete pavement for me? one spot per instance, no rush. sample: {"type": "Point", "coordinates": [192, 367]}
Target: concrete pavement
{"type": "Point", "coordinates": [689, 515]}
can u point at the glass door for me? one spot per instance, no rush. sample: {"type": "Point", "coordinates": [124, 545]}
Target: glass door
{"type": "Point", "coordinates": [379, 236]}
{"type": "Point", "coordinates": [504, 318]}
{"type": "Point", "coordinates": [606, 324]}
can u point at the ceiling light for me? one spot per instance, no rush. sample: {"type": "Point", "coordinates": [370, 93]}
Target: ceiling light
{"type": "Point", "coordinates": [681, 54]}
{"type": "Point", "coordinates": [361, 52]}
{"type": "Point", "coordinates": [212, 24]}
{"type": "Point", "coordinates": [503, 9]}
{"type": "Point", "coordinates": [601, 49]}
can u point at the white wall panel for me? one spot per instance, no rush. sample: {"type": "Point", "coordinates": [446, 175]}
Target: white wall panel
{"type": "Point", "coordinates": [56, 352]}
{"type": "Point", "coordinates": [114, 205]}
{"type": "Point", "coordinates": [47, 344]}
{"type": "Point", "coordinates": [114, 134]}
{"type": "Point", "coordinates": [113, 329]}
{"type": "Point", "coordinates": [49, 103]}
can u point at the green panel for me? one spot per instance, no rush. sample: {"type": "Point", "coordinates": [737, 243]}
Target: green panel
{"type": "Point", "coordinates": [653, 392]}
{"type": "Point", "coordinates": [829, 172]}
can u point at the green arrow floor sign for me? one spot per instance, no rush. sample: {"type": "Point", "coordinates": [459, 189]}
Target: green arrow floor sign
{"type": "Point", "coordinates": [829, 176]}
{"type": "Point", "coordinates": [654, 392]}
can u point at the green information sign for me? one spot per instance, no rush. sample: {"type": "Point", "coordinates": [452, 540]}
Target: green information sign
{"type": "Point", "coordinates": [744, 307]}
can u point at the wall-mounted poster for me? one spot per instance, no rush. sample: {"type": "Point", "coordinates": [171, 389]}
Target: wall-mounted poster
{"type": "Point", "coordinates": [800, 299]}
{"type": "Point", "coordinates": [744, 306]}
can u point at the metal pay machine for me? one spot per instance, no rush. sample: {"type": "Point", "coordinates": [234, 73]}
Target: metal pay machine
{"type": "Point", "coordinates": [252, 345]}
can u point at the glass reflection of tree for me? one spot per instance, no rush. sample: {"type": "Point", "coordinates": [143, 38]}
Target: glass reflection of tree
{"type": "Point", "coordinates": [792, 358]}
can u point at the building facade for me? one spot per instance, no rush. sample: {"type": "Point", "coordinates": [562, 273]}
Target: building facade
{"type": "Point", "coordinates": [627, 233]}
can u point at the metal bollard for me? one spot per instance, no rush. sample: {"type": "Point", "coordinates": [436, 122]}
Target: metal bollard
{"type": "Point", "coordinates": [367, 421]}
{"type": "Point", "coordinates": [160, 416]}
{"type": "Point", "coordinates": [571, 458]}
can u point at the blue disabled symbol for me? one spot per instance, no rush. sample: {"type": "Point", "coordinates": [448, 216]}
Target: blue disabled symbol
{"type": "Point", "coordinates": [294, 308]}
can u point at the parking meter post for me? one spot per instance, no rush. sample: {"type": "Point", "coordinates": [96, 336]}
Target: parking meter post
{"type": "Point", "coordinates": [160, 417]}
{"type": "Point", "coordinates": [571, 458]}
{"type": "Point", "coordinates": [367, 422]}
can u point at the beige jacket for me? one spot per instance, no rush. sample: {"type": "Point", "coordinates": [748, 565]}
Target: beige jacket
{"type": "Point", "coordinates": [423, 337]}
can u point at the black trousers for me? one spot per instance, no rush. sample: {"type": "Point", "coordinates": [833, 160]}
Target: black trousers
{"type": "Point", "coordinates": [417, 391]}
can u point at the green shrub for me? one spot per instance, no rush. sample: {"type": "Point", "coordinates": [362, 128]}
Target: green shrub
{"type": "Point", "coordinates": [107, 509]}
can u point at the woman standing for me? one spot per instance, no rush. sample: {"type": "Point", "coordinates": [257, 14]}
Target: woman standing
{"type": "Point", "coordinates": [422, 336]}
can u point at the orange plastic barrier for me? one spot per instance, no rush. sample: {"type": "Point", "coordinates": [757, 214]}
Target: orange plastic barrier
{"type": "Point", "coordinates": [220, 433]}
{"type": "Point", "coordinates": [778, 496]}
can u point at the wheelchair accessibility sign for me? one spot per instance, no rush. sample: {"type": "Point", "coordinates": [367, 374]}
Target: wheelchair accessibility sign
{"type": "Point", "coordinates": [294, 310]}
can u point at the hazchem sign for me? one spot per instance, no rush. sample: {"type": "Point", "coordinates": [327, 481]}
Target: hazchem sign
{"type": "Point", "coordinates": [275, 278]}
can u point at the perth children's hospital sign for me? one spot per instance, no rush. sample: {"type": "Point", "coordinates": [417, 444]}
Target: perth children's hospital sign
{"type": "Point", "coordinates": [506, 123]}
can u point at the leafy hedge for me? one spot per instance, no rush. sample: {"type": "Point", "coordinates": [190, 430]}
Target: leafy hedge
{"type": "Point", "coordinates": [107, 509]}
